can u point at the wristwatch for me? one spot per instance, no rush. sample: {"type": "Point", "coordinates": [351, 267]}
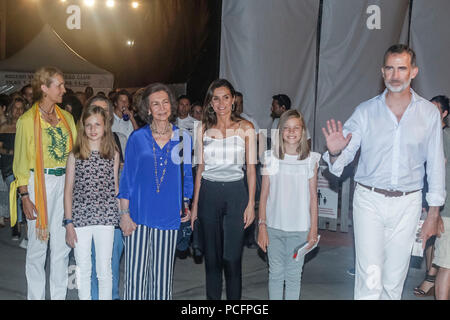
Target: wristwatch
{"type": "Point", "coordinates": [23, 194]}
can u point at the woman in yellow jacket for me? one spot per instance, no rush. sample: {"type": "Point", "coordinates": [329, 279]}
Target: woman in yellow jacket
{"type": "Point", "coordinates": [44, 137]}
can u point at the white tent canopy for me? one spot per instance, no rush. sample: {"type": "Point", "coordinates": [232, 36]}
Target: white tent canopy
{"type": "Point", "coordinates": [47, 48]}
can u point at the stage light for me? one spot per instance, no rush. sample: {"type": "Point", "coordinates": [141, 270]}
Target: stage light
{"type": "Point", "coordinates": [130, 43]}
{"type": "Point", "coordinates": [89, 3]}
{"type": "Point", "coordinates": [110, 3]}
{"type": "Point", "coordinates": [135, 4]}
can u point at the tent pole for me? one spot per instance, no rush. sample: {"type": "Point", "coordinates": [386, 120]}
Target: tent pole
{"type": "Point", "coordinates": [2, 30]}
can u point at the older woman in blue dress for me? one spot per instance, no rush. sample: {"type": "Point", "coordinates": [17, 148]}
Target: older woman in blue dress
{"type": "Point", "coordinates": [150, 194]}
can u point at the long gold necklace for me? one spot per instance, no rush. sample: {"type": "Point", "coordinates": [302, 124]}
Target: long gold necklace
{"type": "Point", "coordinates": [160, 181]}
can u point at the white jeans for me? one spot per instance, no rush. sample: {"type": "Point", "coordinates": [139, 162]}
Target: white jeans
{"type": "Point", "coordinates": [384, 235]}
{"type": "Point", "coordinates": [103, 240]}
{"type": "Point", "coordinates": [37, 249]}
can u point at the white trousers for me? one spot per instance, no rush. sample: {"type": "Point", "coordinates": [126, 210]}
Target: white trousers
{"type": "Point", "coordinates": [103, 240]}
{"type": "Point", "coordinates": [384, 235]}
{"type": "Point", "coordinates": [37, 249]}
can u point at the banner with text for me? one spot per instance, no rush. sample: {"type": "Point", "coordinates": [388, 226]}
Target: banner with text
{"type": "Point", "coordinates": [20, 79]}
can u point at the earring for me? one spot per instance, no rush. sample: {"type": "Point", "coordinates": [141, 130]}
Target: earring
{"type": "Point", "coordinates": [233, 107]}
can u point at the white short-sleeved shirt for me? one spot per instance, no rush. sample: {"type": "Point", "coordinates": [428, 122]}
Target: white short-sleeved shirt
{"type": "Point", "coordinates": [288, 202]}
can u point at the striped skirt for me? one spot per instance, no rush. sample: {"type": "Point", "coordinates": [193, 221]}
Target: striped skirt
{"type": "Point", "coordinates": [149, 261]}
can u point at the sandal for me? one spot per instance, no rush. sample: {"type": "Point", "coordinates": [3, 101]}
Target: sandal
{"type": "Point", "coordinates": [421, 293]}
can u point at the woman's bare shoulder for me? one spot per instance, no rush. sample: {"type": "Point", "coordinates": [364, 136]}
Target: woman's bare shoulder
{"type": "Point", "coordinates": [245, 124]}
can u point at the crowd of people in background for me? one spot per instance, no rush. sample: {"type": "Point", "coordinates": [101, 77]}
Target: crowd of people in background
{"type": "Point", "coordinates": [99, 236]}
{"type": "Point", "coordinates": [120, 175]}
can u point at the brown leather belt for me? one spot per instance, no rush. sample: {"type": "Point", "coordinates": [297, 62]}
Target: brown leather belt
{"type": "Point", "coordinates": [388, 193]}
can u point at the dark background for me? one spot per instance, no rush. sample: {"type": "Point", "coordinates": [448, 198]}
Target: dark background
{"type": "Point", "coordinates": [176, 41]}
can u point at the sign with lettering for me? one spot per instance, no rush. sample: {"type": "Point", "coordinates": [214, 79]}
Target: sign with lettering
{"type": "Point", "coordinates": [73, 81]}
{"type": "Point", "coordinates": [326, 197]}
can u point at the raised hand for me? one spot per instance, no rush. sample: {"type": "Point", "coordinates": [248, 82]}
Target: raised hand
{"type": "Point", "coordinates": [336, 142]}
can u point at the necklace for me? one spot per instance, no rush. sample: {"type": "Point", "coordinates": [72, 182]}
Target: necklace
{"type": "Point", "coordinates": [159, 133]}
{"type": "Point", "coordinates": [159, 181]}
{"type": "Point", "coordinates": [47, 112]}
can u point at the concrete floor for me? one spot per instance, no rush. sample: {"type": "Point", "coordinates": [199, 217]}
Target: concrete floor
{"type": "Point", "coordinates": [325, 274]}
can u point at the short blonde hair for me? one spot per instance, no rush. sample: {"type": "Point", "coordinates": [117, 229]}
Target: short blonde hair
{"type": "Point", "coordinates": [303, 147]}
{"type": "Point", "coordinates": [43, 76]}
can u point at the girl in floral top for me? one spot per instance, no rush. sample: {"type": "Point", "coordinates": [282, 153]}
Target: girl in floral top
{"type": "Point", "coordinates": [90, 204]}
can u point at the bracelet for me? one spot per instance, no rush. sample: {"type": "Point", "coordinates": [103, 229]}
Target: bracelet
{"type": "Point", "coordinates": [262, 222]}
{"type": "Point", "coordinates": [124, 211]}
{"type": "Point", "coordinates": [24, 194]}
{"type": "Point", "coordinates": [67, 221]}
{"type": "Point", "coordinates": [335, 155]}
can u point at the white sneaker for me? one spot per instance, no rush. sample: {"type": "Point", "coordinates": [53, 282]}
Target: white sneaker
{"type": "Point", "coordinates": [2, 222]}
{"type": "Point", "coordinates": [24, 243]}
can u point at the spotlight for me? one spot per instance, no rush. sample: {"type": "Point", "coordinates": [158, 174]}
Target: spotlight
{"type": "Point", "coordinates": [89, 3]}
{"type": "Point", "coordinates": [130, 43]}
{"type": "Point", "coordinates": [135, 4]}
{"type": "Point", "coordinates": [110, 3]}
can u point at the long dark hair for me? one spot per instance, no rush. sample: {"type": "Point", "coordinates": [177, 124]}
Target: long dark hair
{"type": "Point", "coordinates": [443, 101]}
{"type": "Point", "coordinates": [10, 107]}
{"type": "Point", "coordinates": [209, 118]}
{"type": "Point", "coordinates": [75, 103]}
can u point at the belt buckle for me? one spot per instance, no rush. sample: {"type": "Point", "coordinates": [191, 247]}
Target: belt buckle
{"type": "Point", "coordinates": [396, 193]}
{"type": "Point", "coordinates": [56, 172]}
